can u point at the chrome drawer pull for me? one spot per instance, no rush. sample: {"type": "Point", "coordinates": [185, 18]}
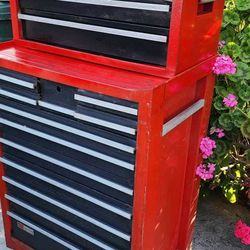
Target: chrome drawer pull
{"type": "Point", "coordinates": [68, 129]}
{"type": "Point", "coordinates": [68, 144]}
{"type": "Point", "coordinates": [173, 123]}
{"type": "Point", "coordinates": [18, 97]}
{"type": "Point", "coordinates": [67, 208]}
{"type": "Point", "coordinates": [58, 222]}
{"type": "Point", "coordinates": [65, 187]}
{"type": "Point", "coordinates": [105, 104]}
{"type": "Point", "coordinates": [40, 230]}
{"type": "Point", "coordinates": [106, 124]}
{"type": "Point", "coordinates": [95, 28]}
{"type": "Point", "coordinates": [124, 4]}
{"type": "Point", "coordinates": [69, 167]}
{"type": "Point", "coordinates": [17, 81]}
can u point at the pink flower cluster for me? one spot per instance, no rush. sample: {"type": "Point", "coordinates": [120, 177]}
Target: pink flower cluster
{"type": "Point", "coordinates": [218, 131]}
{"type": "Point", "coordinates": [242, 231]}
{"type": "Point", "coordinates": [224, 65]}
{"type": "Point", "coordinates": [207, 146]}
{"type": "Point", "coordinates": [230, 101]}
{"type": "Point", "coordinates": [206, 172]}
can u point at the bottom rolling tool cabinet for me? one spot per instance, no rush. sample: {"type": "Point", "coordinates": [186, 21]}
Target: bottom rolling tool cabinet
{"type": "Point", "coordinates": [98, 158]}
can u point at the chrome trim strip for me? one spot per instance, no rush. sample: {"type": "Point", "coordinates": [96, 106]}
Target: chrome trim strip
{"type": "Point", "coordinates": [205, 1]}
{"type": "Point", "coordinates": [68, 209]}
{"type": "Point", "coordinates": [173, 123]}
{"type": "Point", "coordinates": [18, 97]}
{"type": "Point", "coordinates": [40, 230]}
{"type": "Point", "coordinates": [68, 144]}
{"type": "Point", "coordinates": [58, 222]}
{"type": "Point", "coordinates": [70, 167]}
{"type": "Point", "coordinates": [17, 81]}
{"type": "Point", "coordinates": [106, 104]}
{"type": "Point", "coordinates": [66, 188]}
{"type": "Point", "coordinates": [124, 4]}
{"type": "Point", "coordinates": [69, 129]}
{"type": "Point", "coordinates": [106, 124]}
{"type": "Point", "coordinates": [95, 28]}
{"type": "Point", "coordinates": [56, 108]}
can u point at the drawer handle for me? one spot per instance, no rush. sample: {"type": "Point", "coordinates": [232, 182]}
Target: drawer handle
{"type": "Point", "coordinates": [180, 118]}
{"type": "Point", "coordinates": [42, 231]}
{"type": "Point", "coordinates": [205, 1]}
{"type": "Point", "coordinates": [95, 28]}
{"type": "Point", "coordinates": [69, 129]}
{"type": "Point", "coordinates": [17, 81]}
{"type": "Point", "coordinates": [65, 187]}
{"type": "Point", "coordinates": [68, 144]}
{"type": "Point", "coordinates": [67, 208]}
{"type": "Point", "coordinates": [105, 104]}
{"type": "Point", "coordinates": [72, 168]}
{"type": "Point", "coordinates": [57, 222]}
{"type": "Point", "coordinates": [124, 4]}
{"type": "Point", "coordinates": [18, 97]}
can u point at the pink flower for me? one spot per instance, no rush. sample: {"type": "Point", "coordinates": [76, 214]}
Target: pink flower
{"type": "Point", "coordinates": [224, 65]}
{"type": "Point", "coordinates": [242, 231]}
{"type": "Point", "coordinates": [221, 44]}
{"type": "Point", "coordinates": [230, 101]}
{"type": "Point", "coordinates": [207, 146]}
{"type": "Point", "coordinates": [219, 131]}
{"type": "Point", "coordinates": [246, 240]}
{"type": "Point", "coordinates": [206, 172]}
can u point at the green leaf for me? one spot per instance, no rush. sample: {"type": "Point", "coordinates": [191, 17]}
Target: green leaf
{"type": "Point", "coordinates": [218, 103]}
{"type": "Point", "coordinates": [221, 90]}
{"type": "Point", "coordinates": [243, 5]}
{"type": "Point", "coordinates": [230, 17]}
{"type": "Point", "coordinates": [221, 148]}
{"type": "Point", "coordinates": [244, 94]}
{"type": "Point", "coordinates": [247, 153]}
{"type": "Point", "coordinates": [245, 128]}
{"type": "Point", "coordinates": [225, 120]}
{"type": "Point", "coordinates": [238, 118]}
{"type": "Point", "coordinates": [232, 49]}
{"type": "Point", "coordinates": [242, 72]}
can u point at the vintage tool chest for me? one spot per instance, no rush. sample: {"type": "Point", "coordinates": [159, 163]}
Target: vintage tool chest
{"type": "Point", "coordinates": [155, 37]}
{"type": "Point", "coordinates": [102, 107]}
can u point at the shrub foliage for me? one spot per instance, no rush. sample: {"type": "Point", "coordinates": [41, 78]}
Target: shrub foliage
{"type": "Point", "coordinates": [232, 153]}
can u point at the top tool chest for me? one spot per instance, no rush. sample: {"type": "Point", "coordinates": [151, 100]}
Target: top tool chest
{"type": "Point", "coordinates": [154, 36]}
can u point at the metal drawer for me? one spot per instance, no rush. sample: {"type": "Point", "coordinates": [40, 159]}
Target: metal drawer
{"type": "Point", "coordinates": [70, 174]}
{"type": "Point", "coordinates": [134, 31]}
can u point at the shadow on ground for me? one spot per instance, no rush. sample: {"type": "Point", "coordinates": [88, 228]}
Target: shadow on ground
{"type": "Point", "coordinates": [215, 224]}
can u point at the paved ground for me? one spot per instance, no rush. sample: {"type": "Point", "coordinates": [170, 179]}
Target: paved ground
{"type": "Point", "coordinates": [214, 229]}
{"type": "Point", "coordinates": [215, 224]}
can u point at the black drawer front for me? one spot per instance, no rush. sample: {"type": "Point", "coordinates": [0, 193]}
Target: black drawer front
{"type": "Point", "coordinates": [39, 240]}
{"type": "Point", "coordinates": [137, 35]}
{"type": "Point", "coordinates": [153, 13]}
{"type": "Point", "coordinates": [69, 161]}
{"type": "Point", "coordinates": [105, 234]}
{"type": "Point", "coordinates": [19, 87]}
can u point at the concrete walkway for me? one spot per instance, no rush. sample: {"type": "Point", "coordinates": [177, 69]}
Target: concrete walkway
{"type": "Point", "coordinates": [214, 227]}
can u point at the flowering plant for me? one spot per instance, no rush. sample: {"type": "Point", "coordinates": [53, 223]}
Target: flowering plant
{"type": "Point", "coordinates": [226, 151]}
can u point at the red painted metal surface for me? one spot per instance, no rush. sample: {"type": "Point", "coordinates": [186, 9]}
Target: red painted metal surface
{"type": "Point", "coordinates": [193, 38]}
{"type": "Point", "coordinates": [165, 165]}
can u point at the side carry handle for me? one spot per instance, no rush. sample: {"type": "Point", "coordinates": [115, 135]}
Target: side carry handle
{"type": "Point", "coordinates": [180, 118]}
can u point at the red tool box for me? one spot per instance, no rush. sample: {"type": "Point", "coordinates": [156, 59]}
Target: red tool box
{"type": "Point", "coordinates": [95, 157]}
{"type": "Point", "coordinates": [95, 154]}
{"type": "Point", "coordinates": [155, 37]}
